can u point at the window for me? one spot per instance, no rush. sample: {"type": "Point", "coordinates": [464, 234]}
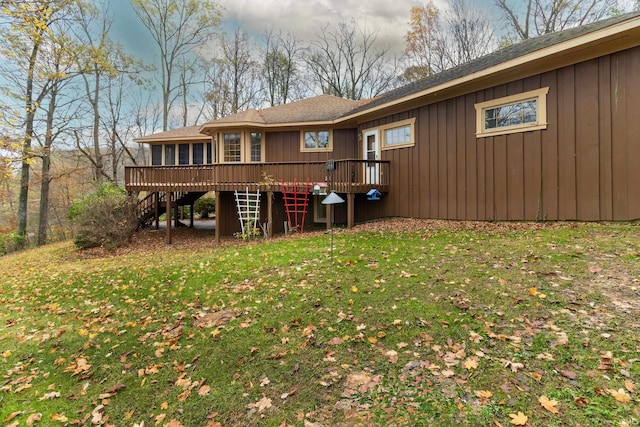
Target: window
{"type": "Point", "coordinates": [156, 155]}
{"type": "Point", "coordinates": [398, 134]}
{"type": "Point", "coordinates": [256, 147]}
{"type": "Point", "coordinates": [183, 154]}
{"type": "Point", "coordinates": [170, 154]}
{"type": "Point", "coordinates": [516, 113]}
{"type": "Point", "coordinates": [316, 140]}
{"type": "Point", "coordinates": [198, 153]}
{"type": "Point", "coordinates": [209, 154]}
{"type": "Point", "coordinates": [231, 150]}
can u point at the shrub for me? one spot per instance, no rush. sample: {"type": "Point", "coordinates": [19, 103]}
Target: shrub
{"type": "Point", "coordinates": [11, 242]}
{"type": "Point", "coordinates": [204, 207]}
{"type": "Point", "coordinates": [105, 218]}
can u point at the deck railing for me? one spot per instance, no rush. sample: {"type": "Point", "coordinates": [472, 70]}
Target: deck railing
{"type": "Point", "coordinates": [351, 175]}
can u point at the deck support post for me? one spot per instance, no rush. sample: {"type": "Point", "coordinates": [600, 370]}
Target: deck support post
{"type": "Point", "coordinates": [168, 215]}
{"type": "Point", "coordinates": [177, 213]}
{"type": "Point", "coordinates": [191, 211]}
{"type": "Point", "coordinates": [218, 216]}
{"type": "Point", "coordinates": [351, 198]}
{"type": "Point", "coordinates": [269, 214]}
{"type": "Point", "coordinates": [156, 215]}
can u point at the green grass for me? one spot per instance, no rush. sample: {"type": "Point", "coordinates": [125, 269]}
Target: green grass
{"type": "Point", "coordinates": [427, 320]}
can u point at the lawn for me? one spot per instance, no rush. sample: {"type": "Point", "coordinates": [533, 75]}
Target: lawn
{"type": "Point", "coordinates": [412, 323]}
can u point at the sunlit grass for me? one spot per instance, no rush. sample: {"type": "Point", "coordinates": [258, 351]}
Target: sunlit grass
{"type": "Point", "coordinates": [426, 319]}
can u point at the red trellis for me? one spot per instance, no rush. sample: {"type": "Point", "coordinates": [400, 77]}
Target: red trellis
{"type": "Point", "coordinates": [296, 200]}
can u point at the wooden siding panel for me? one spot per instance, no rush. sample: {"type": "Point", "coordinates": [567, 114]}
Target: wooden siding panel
{"type": "Point", "coordinates": [490, 206]}
{"type": "Point", "coordinates": [441, 141]}
{"type": "Point", "coordinates": [566, 144]}
{"type": "Point", "coordinates": [515, 176]}
{"type": "Point", "coordinates": [633, 132]}
{"type": "Point", "coordinates": [604, 136]}
{"type": "Point", "coordinates": [470, 145]}
{"type": "Point", "coordinates": [452, 172]}
{"type": "Point", "coordinates": [550, 174]}
{"type": "Point", "coordinates": [481, 168]}
{"type": "Point", "coordinates": [619, 151]}
{"type": "Point", "coordinates": [461, 154]}
{"type": "Point", "coordinates": [500, 177]}
{"type": "Point", "coordinates": [532, 160]}
{"type": "Point", "coordinates": [433, 163]}
{"type": "Point", "coordinates": [421, 160]}
{"type": "Point", "coordinates": [587, 149]}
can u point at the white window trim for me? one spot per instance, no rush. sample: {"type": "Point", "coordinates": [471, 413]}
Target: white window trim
{"type": "Point", "coordinates": [383, 136]}
{"type": "Point", "coordinates": [328, 148]}
{"type": "Point", "coordinates": [540, 95]}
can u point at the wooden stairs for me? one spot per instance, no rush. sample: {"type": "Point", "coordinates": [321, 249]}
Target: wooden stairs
{"type": "Point", "coordinates": [157, 202]}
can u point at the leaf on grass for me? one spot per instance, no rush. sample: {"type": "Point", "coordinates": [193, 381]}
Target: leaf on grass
{"type": "Point", "coordinates": [518, 419]}
{"type": "Point", "coordinates": [620, 395]}
{"type": "Point", "coordinates": [581, 401]}
{"type": "Point", "coordinates": [12, 416]}
{"type": "Point", "coordinates": [34, 418]}
{"type": "Point", "coordinates": [204, 390]}
{"type": "Point", "coordinates": [471, 364]}
{"type": "Point", "coordinates": [484, 394]}
{"type": "Point", "coordinates": [631, 387]}
{"type": "Point", "coordinates": [96, 415]}
{"type": "Point", "coordinates": [173, 423]}
{"type": "Point", "coordinates": [549, 405]}
{"type": "Point", "coordinates": [59, 417]}
{"type": "Point", "coordinates": [51, 395]}
{"type": "Point", "coordinates": [262, 404]}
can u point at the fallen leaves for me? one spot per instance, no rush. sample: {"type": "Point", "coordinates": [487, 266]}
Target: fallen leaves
{"type": "Point", "coordinates": [79, 366]}
{"type": "Point", "coordinates": [620, 395]}
{"type": "Point", "coordinates": [261, 405]}
{"type": "Point", "coordinates": [549, 405]}
{"type": "Point", "coordinates": [518, 419]}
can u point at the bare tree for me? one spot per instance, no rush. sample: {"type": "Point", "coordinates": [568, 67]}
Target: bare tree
{"type": "Point", "coordinates": [469, 34]}
{"type": "Point", "coordinates": [537, 17]}
{"type": "Point", "coordinates": [102, 61]}
{"type": "Point", "coordinates": [439, 40]}
{"type": "Point", "coordinates": [238, 74]}
{"type": "Point", "coordinates": [347, 61]}
{"type": "Point", "coordinates": [282, 73]}
{"type": "Point", "coordinates": [179, 29]}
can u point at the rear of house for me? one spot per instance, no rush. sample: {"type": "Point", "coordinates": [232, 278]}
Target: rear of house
{"type": "Point", "coordinates": [548, 129]}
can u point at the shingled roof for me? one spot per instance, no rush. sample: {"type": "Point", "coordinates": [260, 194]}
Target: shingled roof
{"type": "Point", "coordinates": [493, 59]}
{"type": "Point", "coordinates": [185, 133]}
{"type": "Point", "coordinates": [320, 109]}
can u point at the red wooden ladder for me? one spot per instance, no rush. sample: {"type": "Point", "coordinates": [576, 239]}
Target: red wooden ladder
{"type": "Point", "coordinates": [296, 201]}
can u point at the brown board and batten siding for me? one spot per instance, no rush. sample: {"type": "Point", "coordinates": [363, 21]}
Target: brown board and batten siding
{"type": "Point", "coordinates": [584, 166]}
{"type": "Point", "coordinates": [284, 146]}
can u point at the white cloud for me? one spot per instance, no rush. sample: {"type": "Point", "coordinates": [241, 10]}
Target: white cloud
{"type": "Point", "coordinates": [304, 18]}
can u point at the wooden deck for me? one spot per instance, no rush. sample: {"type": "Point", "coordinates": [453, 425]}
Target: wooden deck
{"type": "Point", "coordinates": [349, 176]}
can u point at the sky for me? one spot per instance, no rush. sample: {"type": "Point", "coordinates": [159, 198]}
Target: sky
{"type": "Point", "coordinates": [303, 18]}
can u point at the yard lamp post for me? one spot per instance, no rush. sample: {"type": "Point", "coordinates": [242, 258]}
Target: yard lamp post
{"type": "Point", "coordinates": [332, 199]}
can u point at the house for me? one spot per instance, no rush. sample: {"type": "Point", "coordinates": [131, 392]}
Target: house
{"type": "Point", "coordinates": [547, 129]}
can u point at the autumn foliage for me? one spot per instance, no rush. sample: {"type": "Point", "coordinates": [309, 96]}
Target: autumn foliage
{"type": "Point", "coordinates": [106, 218]}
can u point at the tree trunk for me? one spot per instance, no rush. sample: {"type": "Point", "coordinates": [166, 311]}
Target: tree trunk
{"type": "Point", "coordinates": [43, 220]}
{"type": "Point", "coordinates": [23, 198]}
